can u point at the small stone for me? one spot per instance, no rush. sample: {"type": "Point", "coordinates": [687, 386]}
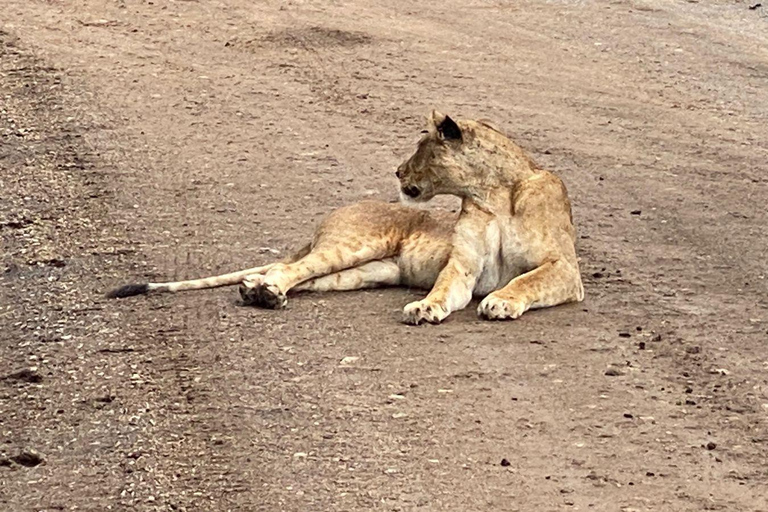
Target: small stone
{"type": "Point", "coordinates": [636, 212]}
{"type": "Point", "coordinates": [628, 415]}
{"type": "Point", "coordinates": [614, 372]}
{"type": "Point", "coordinates": [348, 360]}
{"type": "Point", "coordinates": [25, 375]}
{"type": "Point", "coordinates": [711, 445]}
{"type": "Point", "coordinates": [641, 345]}
{"type": "Point", "coordinates": [624, 335]}
{"type": "Point", "coordinates": [300, 455]}
{"type": "Point", "coordinates": [505, 463]}
{"type": "Point", "coordinates": [28, 457]}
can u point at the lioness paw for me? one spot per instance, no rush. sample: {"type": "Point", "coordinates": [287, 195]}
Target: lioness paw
{"type": "Point", "coordinates": [496, 308]}
{"type": "Point", "coordinates": [257, 293]}
{"type": "Point", "coordinates": [417, 313]}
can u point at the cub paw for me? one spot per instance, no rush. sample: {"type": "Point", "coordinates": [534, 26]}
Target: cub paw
{"type": "Point", "coordinates": [256, 293]}
{"type": "Point", "coordinates": [496, 308]}
{"type": "Point", "coordinates": [419, 312]}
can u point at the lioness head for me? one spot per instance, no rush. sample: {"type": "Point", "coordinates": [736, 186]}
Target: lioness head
{"type": "Point", "coordinates": [422, 176]}
{"type": "Point", "coordinates": [459, 158]}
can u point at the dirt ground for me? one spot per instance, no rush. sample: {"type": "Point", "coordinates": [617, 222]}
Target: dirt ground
{"type": "Point", "coordinates": [153, 140]}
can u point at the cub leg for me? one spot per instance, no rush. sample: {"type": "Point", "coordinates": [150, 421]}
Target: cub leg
{"type": "Point", "coordinates": [368, 275]}
{"type": "Point", "coordinates": [553, 283]}
{"type": "Point", "coordinates": [270, 290]}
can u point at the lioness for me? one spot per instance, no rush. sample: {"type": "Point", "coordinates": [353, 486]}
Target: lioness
{"type": "Point", "coordinates": [513, 242]}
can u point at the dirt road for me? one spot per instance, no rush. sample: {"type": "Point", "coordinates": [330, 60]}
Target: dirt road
{"type": "Point", "coordinates": [165, 139]}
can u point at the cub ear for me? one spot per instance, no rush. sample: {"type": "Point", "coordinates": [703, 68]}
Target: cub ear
{"type": "Point", "coordinates": [446, 128]}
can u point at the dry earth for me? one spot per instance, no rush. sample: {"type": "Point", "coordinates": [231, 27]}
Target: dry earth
{"type": "Point", "coordinates": [160, 139]}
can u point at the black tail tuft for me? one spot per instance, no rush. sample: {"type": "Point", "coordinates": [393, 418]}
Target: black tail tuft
{"type": "Point", "coordinates": [128, 290]}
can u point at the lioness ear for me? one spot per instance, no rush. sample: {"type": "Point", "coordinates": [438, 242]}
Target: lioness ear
{"type": "Point", "coordinates": [447, 129]}
{"type": "Point", "coordinates": [433, 121]}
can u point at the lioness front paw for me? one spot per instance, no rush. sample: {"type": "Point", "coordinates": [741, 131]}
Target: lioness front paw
{"type": "Point", "coordinates": [257, 293]}
{"type": "Point", "coordinates": [421, 311]}
{"type": "Point", "coordinates": [496, 308]}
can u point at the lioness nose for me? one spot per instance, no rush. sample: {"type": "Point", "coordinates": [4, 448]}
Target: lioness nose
{"type": "Point", "coordinates": [411, 191]}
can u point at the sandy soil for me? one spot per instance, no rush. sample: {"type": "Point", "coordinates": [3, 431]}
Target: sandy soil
{"type": "Point", "coordinates": [165, 139]}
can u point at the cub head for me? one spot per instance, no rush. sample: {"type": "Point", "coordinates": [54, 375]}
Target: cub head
{"type": "Point", "coordinates": [428, 171]}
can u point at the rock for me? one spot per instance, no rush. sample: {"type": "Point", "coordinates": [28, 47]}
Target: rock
{"type": "Point", "coordinates": [28, 458]}
{"type": "Point", "coordinates": [614, 372]}
{"type": "Point", "coordinates": [26, 375]}
{"type": "Point", "coordinates": [711, 445]}
{"type": "Point", "coordinates": [505, 463]}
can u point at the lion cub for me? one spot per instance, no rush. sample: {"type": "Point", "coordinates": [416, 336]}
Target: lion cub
{"type": "Point", "coordinates": [512, 243]}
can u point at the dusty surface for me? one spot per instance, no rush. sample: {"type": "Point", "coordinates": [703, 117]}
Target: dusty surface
{"type": "Point", "coordinates": [174, 139]}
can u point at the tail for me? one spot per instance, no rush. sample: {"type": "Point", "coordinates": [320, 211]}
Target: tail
{"type": "Point", "coordinates": [129, 290]}
{"type": "Point", "coordinates": [233, 278]}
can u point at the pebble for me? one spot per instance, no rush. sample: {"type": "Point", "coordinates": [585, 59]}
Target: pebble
{"type": "Point", "coordinates": [28, 457]}
{"type": "Point", "coordinates": [26, 375]}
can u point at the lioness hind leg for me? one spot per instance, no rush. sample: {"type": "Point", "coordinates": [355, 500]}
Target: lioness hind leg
{"type": "Point", "coordinates": [368, 275]}
{"type": "Point", "coordinates": [548, 285]}
{"type": "Point", "coordinates": [270, 290]}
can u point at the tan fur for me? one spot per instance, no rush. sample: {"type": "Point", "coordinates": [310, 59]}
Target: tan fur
{"type": "Point", "coordinates": [512, 243]}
